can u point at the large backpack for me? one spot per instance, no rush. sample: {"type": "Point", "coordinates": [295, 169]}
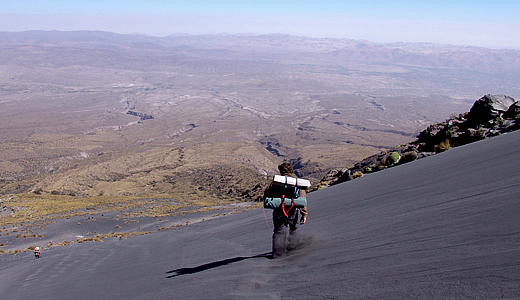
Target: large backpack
{"type": "Point", "coordinates": [284, 193]}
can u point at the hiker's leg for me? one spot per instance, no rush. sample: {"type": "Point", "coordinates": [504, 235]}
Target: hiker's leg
{"type": "Point", "coordinates": [279, 234]}
{"type": "Point", "coordinates": [279, 241]}
{"type": "Point", "coordinates": [294, 235]}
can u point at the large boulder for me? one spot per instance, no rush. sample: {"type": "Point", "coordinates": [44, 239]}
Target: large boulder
{"type": "Point", "coordinates": [512, 115]}
{"type": "Point", "coordinates": [489, 107]}
{"type": "Point", "coordinates": [513, 112]}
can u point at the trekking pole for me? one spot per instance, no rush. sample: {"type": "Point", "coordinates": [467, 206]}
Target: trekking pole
{"type": "Point", "coordinates": [265, 217]}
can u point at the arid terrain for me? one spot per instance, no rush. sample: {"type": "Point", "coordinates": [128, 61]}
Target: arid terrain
{"type": "Point", "coordinates": [96, 114]}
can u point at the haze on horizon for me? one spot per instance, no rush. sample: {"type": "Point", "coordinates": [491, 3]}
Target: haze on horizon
{"type": "Point", "coordinates": [492, 24]}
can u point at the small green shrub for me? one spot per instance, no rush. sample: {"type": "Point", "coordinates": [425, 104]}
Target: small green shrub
{"type": "Point", "coordinates": [321, 185]}
{"type": "Point", "coordinates": [392, 158]}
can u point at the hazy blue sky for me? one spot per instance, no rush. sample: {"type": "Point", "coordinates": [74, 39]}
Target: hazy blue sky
{"type": "Point", "coordinates": [494, 23]}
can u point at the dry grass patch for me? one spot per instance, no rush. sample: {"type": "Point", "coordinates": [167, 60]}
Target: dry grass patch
{"type": "Point", "coordinates": [29, 207]}
{"type": "Point", "coordinates": [173, 226]}
{"type": "Point", "coordinates": [89, 239]}
{"type": "Point", "coordinates": [100, 237]}
{"type": "Point", "coordinates": [37, 210]}
{"type": "Point", "coordinates": [64, 243]}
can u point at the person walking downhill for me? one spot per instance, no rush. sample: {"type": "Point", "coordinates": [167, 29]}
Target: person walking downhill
{"type": "Point", "coordinates": [285, 233]}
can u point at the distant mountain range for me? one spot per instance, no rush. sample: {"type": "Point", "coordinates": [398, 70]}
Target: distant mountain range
{"type": "Point", "coordinates": [418, 54]}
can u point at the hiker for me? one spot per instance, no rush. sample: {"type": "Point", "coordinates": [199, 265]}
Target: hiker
{"type": "Point", "coordinates": [37, 252]}
{"type": "Point", "coordinates": [286, 217]}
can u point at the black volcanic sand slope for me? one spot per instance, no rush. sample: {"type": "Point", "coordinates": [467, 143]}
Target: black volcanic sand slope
{"type": "Point", "coordinates": [443, 227]}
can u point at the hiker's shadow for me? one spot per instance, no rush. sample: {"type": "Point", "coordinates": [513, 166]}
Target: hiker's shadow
{"type": "Point", "coordinates": [212, 265]}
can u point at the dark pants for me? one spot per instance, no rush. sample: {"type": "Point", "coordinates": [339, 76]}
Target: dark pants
{"type": "Point", "coordinates": [285, 233]}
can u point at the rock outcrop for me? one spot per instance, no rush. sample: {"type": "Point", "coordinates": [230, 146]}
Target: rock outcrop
{"type": "Point", "coordinates": [141, 116]}
{"type": "Point", "coordinates": [491, 115]}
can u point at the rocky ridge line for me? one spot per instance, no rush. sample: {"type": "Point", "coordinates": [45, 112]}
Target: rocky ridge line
{"type": "Point", "coordinates": [489, 116]}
